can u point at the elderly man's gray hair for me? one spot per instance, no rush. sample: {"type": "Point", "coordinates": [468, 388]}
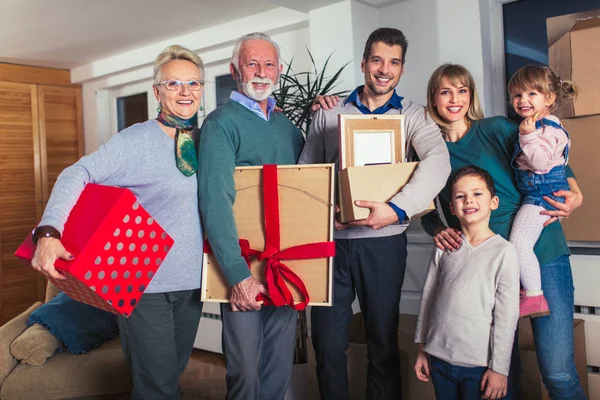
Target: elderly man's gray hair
{"type": "Point", "coordinates": [235, 56]}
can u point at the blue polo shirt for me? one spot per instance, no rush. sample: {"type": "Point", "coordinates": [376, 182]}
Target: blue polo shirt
{"type": "Point", "coordinates": [394, 102]}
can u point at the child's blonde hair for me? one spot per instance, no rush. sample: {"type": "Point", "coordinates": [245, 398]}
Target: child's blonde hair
{"type": "Point", "coordinates": [457, 75]}
{"type": "Point", "coordinates": [545, 81]}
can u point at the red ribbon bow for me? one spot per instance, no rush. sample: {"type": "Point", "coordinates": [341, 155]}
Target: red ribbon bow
{"type": "Point", "coordinates": [276, 272]}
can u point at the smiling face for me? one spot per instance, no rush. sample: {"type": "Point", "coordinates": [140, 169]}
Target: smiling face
{"type": "Point", "coordinates": [258, 70]}
{"type": "Point", "coordinates": [472, 201]}
{"type": "Point", "coordinates": [530, 101]}
{"type": "Point", "coordinates": [452, 101]}
{"type": "Point", "coordinates": [383, 69]}
{"type": "Point", "coordinates": [182, 102]}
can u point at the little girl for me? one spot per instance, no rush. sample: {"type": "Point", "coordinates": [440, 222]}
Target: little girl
{"type": "Point", "coordinates": [539, 161]}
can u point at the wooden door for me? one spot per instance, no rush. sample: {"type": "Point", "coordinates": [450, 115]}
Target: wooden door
{"type": "Point", "coordinates": [61, 132]}
{"type": "Point", "coordinates": [20, 195]}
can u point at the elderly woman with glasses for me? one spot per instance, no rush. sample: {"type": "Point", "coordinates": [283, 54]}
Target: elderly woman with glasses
{"type": "Point", "coordinates": [156, 160]}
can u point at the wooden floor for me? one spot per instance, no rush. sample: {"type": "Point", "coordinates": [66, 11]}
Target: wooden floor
{"type": "Point", "coordinates": [204, 377]}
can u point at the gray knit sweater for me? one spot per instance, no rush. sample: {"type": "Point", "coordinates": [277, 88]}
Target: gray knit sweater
{"type": "Point", "coordinates": [424, 143]}
{"type": "Point", "coordinates": [470, 305]}
{"type": "Point", "coordinates": [141, 158]}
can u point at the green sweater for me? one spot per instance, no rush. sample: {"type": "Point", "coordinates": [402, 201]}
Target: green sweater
{"type": "Point", "coordinates": [233, 136]}
{"type": "Point", "coordinates": [489, 144]}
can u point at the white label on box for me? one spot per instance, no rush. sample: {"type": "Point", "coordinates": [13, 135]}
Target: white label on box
{"type": "Point", "coordinates": [373, 147]}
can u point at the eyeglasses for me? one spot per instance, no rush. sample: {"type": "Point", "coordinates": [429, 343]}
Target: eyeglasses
{"type": "Point", "coordinates": [174, 84]}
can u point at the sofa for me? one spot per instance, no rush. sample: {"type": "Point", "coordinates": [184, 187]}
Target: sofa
{"type": "Point", "coordinates": [101, 373]}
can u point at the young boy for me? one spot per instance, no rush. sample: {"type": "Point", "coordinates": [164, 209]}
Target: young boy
{"type": "Point", "coordinates": [470, 303]}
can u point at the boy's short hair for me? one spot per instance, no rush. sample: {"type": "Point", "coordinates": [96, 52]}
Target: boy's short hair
{"type": "Point", "coordinates": [473, 170]}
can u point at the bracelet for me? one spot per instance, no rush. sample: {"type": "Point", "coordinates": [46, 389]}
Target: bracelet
{"type": "Point", "coordinates": [44, 231]}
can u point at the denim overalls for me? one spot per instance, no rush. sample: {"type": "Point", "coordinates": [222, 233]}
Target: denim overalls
{"type": "Point", "coordinates": [534, 186]}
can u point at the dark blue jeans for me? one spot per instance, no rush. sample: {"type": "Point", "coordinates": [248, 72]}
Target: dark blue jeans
{"type": "Point", "coordinates": [534, 186]}
{"type": "Point", "coordinates": [455, 383]}
{"type": "Point", "coordinates": [374, 269]}
{"type": "Point", "coordinates": [553, 337]}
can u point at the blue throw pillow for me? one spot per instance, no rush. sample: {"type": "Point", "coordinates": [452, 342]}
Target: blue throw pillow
{"type": "Point", "coordinates": [78, 326]}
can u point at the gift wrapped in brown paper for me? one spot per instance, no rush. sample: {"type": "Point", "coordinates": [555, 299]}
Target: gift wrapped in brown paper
{"type": "Point", "coordinates": [284, 218]}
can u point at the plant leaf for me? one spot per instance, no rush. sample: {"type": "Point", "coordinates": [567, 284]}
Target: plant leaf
{"type": "Point", "coordinates": [297, 91]}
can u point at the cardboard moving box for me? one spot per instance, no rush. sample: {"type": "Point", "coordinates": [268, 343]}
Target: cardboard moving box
{"type": "Point", "coordinates": [374, 183]}
{"type": "Point", "coordinates": [574, 54]}
{"type": "Point", "coordinates": [584, 224]}
{"type": "Point", "coordinates": [372, 155]}
{"type": "Point", "coordinates": [412, 388]}
{"type": "Point", "coordinates": [532, 387]}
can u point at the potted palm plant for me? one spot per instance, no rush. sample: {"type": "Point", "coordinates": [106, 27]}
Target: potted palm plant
{"type": "Point", "coordinates": [297, 91]}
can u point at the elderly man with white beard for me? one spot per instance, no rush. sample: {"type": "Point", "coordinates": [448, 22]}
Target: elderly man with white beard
{"type": "Point", "coordinates": [258, 342]}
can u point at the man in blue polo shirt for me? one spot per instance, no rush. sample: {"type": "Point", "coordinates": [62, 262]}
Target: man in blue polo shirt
{"type": "Point", "coordinates": [371, 253]}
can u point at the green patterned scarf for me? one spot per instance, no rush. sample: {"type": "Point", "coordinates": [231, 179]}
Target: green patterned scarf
{"type": "Point", "coordinates": [185, 151]}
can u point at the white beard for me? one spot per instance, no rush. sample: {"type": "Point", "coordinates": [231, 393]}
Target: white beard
{"type": "Point", "coordinates": [258, 95]}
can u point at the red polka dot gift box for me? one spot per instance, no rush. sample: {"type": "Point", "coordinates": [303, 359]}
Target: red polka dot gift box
{"type": "Point", "coordinates": [118, 248]}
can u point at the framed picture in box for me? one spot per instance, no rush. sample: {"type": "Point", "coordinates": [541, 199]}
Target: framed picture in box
{"type": "Point", "coordinates": [305, 212]}
{"type": "Point", "coordinates": [368, 139]}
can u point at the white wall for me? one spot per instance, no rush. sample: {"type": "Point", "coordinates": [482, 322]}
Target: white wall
{"type": "Point", "coordinates": [365, 20]}
{"type": "Point", "coordinates": [101, 78]}
{"type": "Point", "coordinates": [459, 37]}
{"type": "Point", "coordinates": [331, 31]}
{"type": "Point", "coordinates": [417, 20]}
{"type": "Point", "coordinates": [437, 31]}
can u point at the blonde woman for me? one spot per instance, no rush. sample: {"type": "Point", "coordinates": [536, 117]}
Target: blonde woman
{"type": "Point", "coordinates": [156, 160]}
{"type": "Point", "coordinates": [489, 143]}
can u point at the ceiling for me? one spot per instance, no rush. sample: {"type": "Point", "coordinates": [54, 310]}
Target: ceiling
{"type": "Point", "coordinates": [71, 33]}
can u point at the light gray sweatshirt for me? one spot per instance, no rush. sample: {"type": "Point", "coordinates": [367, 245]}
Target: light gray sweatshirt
{"type": "Point", "coordinates": [141, 158]}
{"type": "Point", "coordinates": [470, 305]}
{"type": "Point", "coordinates": [424, 143]}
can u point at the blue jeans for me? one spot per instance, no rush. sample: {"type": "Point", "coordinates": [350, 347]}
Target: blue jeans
{"type": "Point", "coordinates": [373, 268]}
{"type": "Point", "coordinates": [451, 382]}
{"type": "Point", "coordinates": [534, 186]}
{"type": "Point", "coordinates": [553, 337]}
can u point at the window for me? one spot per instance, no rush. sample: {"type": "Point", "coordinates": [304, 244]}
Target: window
{"type": "Point", "coordinates": [131, 110]}
{"type": "Point", "coordinates": [225, 85]}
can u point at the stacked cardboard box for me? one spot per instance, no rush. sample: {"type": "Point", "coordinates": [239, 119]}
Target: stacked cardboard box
{"type": "Point", "coordinates": [574, 54]}
{"type": "Point", "coordinates": [532, 387]}
{"type": "Point", "coordinates": [412, 388]}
